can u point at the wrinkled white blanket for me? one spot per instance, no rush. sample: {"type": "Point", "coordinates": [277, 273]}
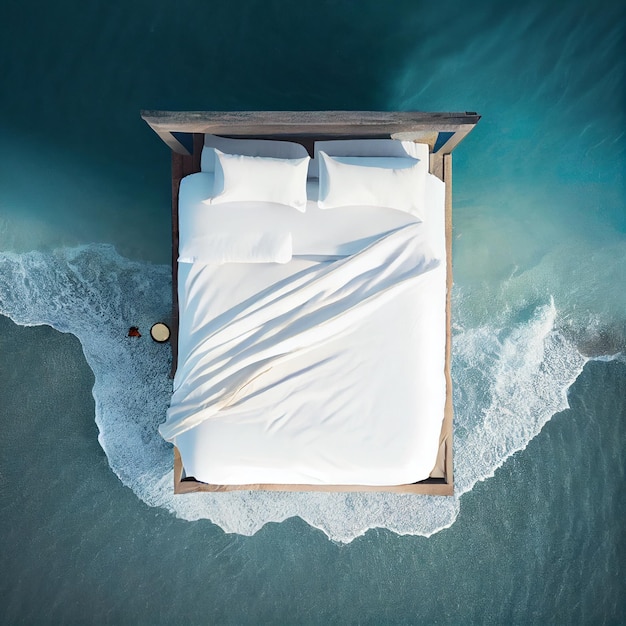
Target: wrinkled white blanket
{"type": "Point", "coordinates": [333, 376]}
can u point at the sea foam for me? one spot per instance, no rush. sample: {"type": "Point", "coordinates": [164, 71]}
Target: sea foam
{"type": "Point", "coordinates": [509, 378]}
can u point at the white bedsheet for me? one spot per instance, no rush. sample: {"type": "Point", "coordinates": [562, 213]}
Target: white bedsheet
{"type": "Point", "coordinates": [328, 369]}
{"type": "Point", "coordinates": [314, 372]}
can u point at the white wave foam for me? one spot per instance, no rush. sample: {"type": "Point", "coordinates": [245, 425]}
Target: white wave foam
{"type": "Point", "coordinates": [525, 372]}
{"type": "Point", "coordinates": [620, 357]}
{"type": "Point", "coordinates": [509, 381]}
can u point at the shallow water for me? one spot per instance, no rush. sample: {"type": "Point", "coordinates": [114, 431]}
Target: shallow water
{"type": "Point", "coordinates": [533, 533]}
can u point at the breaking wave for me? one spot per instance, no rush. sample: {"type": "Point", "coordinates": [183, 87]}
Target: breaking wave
{"type": "Point", "coordinates": [509, 378]}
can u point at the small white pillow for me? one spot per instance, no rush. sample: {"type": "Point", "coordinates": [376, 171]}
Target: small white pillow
{"type": "Point", "coordinates": [241, 178]}
{"type": "Point", "coordinates": [248, 147]}
{"type": "Point", "coordinates": [396, 183]}
{"type": "Point", "coordinates": [239, 247]}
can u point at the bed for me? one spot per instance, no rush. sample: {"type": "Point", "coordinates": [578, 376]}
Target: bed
{"type": "Point", "coordinates": [312, 314]}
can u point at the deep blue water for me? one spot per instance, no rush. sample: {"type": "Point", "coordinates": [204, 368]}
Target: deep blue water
{"type": "Point", "coordinates": [90, 531]}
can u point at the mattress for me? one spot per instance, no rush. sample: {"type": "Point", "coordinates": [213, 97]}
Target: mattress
{"type": "Point", "coordinates": [327, 369]}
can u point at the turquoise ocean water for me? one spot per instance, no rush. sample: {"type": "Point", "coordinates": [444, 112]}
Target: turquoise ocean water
{"type": "Point", "coordinates": [90, 531]}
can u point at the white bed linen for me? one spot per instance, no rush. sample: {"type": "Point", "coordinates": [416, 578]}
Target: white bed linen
{"type": "Point", "coordinates": [360, 401]}
{"type": "Point", "coordinates": [334, 374]}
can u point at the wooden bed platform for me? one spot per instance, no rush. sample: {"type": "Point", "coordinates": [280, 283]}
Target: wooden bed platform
{"type": "Point", "coordinates": [184, 133]}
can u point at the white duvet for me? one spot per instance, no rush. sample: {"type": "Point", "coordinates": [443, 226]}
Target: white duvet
{"type": "Point", "coordinates": [322, 373]}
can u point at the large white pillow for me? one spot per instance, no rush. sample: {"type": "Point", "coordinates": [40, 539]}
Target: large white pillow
{"type": "Point", "coordinates": [396, 183]}
{"type": "Point", "coordinates": [240, 178]}
{"type": "Point", "coordinates": [248, 147]}
{"type": "Point", "coordinates": [368, 147]}
{"type": "Point", "coordinates": [236, 246]}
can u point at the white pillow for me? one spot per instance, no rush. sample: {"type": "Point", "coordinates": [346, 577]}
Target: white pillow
{"type": "Point", "coordinates": [237, 247]}
{"type": "Point", "coordinates": [241, 178]}
{"type": "Point", "coordinates": [368, 147]}
{"type": "Point", "coordinates": [396, 183]}
{"type": "Point", "coordinates": [248, 147]}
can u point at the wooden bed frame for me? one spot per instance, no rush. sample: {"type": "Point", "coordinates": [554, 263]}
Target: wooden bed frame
{"type": "Point", "coordinates": [184, 133]}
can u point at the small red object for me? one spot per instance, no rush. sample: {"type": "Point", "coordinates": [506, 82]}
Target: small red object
{"type": "Point", "coordinates": [133, 331]}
